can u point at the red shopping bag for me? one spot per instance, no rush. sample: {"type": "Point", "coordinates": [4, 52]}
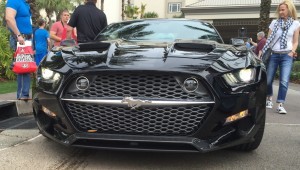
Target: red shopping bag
{"type": "Point", "coordinates": [23, 59]}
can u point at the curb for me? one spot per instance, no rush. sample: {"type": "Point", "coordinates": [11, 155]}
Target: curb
{"type": "Point", "coordinates": [22, 108]}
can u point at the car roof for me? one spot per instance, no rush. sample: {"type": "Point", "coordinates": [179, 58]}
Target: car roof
{"type": "Point", "coordinates": [163, 19]}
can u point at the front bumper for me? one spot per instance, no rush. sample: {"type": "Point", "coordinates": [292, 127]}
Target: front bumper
{"type": "Point", "coordinates": [155, 143]}
{"type": "Point", "coordinates": [209, 137]}
{"type": "Point", "coordinates": [74, 123]}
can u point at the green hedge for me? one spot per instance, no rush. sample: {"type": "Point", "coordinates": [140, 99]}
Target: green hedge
{"type": "Point", "coordinates": [295, 75]}
{"type": "Point", "coordinates": [6, 54]}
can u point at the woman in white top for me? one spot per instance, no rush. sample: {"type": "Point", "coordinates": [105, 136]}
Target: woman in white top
{"type": "Point", "coordinates": [284, 32]}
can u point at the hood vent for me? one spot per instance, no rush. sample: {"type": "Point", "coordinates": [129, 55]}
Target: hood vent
{"type": "Point", "coordinates": [194, 47]}
{"type": "Point", "coordinates": [93, 46]}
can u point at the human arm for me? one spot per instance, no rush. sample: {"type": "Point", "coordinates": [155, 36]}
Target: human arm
{"type": "Point", "coordinates": [49, 44]}
{"type": "Point", "coordinates": [259, 53]}
{"type": "Point", "coordinates": [54, 37]}
{"type": "Point", "coordinates": [53, 33]}
{"type": "Point", "coordinates": [10, 15]}
{"type": "Point", "coordinates": [295, 43]}
{"type": "Point", "coordinates": [253, 43]}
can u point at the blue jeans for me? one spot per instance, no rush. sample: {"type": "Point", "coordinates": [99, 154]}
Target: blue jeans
{"type": "Point", "coordinates": [285, 64]}
{"type": "Point", "coordinates": [23, 80]}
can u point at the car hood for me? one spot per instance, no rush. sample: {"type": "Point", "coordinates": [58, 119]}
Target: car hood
{"type": "Point", "coordinates": [184, 55]}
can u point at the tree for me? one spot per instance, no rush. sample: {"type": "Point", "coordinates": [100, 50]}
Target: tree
{"type": "Point", "coordinates": [35, 12]}
{"type": "Point", "coordinates": [122, 8]}
{"type": "Point", "coordinates": [6, 52]}
{"type": "Point", "coordinates": [131, 11]}
{"type": "Point", "coordinates": [2, 8]}
{"type": "Point", "coordinates": [264, 19]}
{"type": "Point", "coordinates": [102, 5]}
{"type": "Point", "coordinates": [55, 6]}
{"type": "Point", "coordinates": [143, 8]}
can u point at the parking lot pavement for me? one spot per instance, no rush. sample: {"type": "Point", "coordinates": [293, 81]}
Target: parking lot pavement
{"type": "Point", "coordinates": [22, 107]}
{"type": "Point", "coordinates": [16, 130]}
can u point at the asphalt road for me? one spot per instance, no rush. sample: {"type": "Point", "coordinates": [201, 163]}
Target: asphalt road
{"type": "Point", "coordinates": [21, 147]}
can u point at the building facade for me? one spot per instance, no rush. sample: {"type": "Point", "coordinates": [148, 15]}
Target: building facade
{"type": "Point", "coordinates": [164, 8]}
{"type": "Point", "coordinates": [229, 17]}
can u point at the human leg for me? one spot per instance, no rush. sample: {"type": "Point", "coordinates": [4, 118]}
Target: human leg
{"type": "Point", "coordinates": [285, 67]}
{"type": "Point", "coordinates": [23, 81]}
{"type": "Point", "coordinates": [272, 67]}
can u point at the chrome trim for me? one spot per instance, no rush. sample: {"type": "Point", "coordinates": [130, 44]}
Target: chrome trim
{"type": "Point", "coordinates": [192, 78]}
{"type": "Point", "coordinates": [88, 83]}
{"type": "Point", "coordinates": [152, 103]}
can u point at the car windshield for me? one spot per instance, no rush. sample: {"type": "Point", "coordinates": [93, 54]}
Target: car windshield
{"type": "Point", "coordinates": [160, 30]}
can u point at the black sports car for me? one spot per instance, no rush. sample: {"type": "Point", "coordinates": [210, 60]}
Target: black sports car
{"type": "Point", "coordinates": [159, 85]}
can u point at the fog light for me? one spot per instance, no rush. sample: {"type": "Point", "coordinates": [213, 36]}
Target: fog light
{"type": "Point", "coordinates": [237, 116]}
{"type": "Point", "coordinates": [191, 84]}
{"type": "Point", "coordinates": [48, 112]}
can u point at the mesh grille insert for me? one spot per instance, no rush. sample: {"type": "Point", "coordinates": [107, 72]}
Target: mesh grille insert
{"type": "Point", "coordinates": [135, 85]}
{"type": "Point", "coordinates": [166, 121]}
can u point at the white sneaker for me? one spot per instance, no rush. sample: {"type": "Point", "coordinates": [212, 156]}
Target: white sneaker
{"type": "Point", "coordinates": [269, 104]}
{"type": "Point", "coordinates": [281, 110]}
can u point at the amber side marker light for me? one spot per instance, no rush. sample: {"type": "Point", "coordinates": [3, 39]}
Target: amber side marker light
{"type": "Point", "coordinates": [48, 112]}
{"type": "Point", "coordinates": [237, 116]}
{"type": "Point", "coordinates": [92, 131]}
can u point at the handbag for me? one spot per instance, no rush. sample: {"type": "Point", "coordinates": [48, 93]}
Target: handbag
{"type": "Point", "coordinates": [265, 57]}
{"type": "Point", "coordinates": [23, 59]}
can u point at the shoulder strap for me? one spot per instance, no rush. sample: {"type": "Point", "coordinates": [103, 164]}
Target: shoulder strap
{"type": "Point", "coordinates": [275, 42]}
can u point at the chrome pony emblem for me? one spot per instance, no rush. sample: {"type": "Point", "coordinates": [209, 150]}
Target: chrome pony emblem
{"type": "Point", "coordinates": [134, 103]}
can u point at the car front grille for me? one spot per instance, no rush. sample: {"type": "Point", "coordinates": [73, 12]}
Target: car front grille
{"type": "Point", "coordinates": [157, 86]}
{"type": "Point", "coordinates": [158, 121]}
{"type": "Point", "coordinates": [169, 120]}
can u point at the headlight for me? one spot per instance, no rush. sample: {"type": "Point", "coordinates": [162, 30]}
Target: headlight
{"type": "Point", "coordinates": [240, 77]}
{"type": "Point", "coordinates": [48, 74]}
{"type": "Point", "coordinates": [48, 80]}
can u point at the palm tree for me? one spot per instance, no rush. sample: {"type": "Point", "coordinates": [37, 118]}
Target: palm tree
{"type": "Point", "coordinates": [55, 6]}
{"type": "Point", "coordinates": [132, 12]}
{"type": "Point", "coordinates": [102, 5]}
{"type": "Point", "coordinates": [35, 14]}
{"type": "Point", "coordinates": [122, 8]}
{"type": "Point", "coordinates": [264, 19]}
{"type": "Point", "coordinates": [143, 8]}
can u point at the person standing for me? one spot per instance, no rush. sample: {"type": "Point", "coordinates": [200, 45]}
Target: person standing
{"type": "Point", "coordinates": [18, 19]}
{"type": "Point", "coordinates": [261, 41]}
{"type": "Point", "coordinates": [42, 41]}
{"type": "Point", "coordinates": [88, 20]}
{"type": "Point", "coordinates": [58, 31]}
{"type": "Point", "coordinates": [285, 29]}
